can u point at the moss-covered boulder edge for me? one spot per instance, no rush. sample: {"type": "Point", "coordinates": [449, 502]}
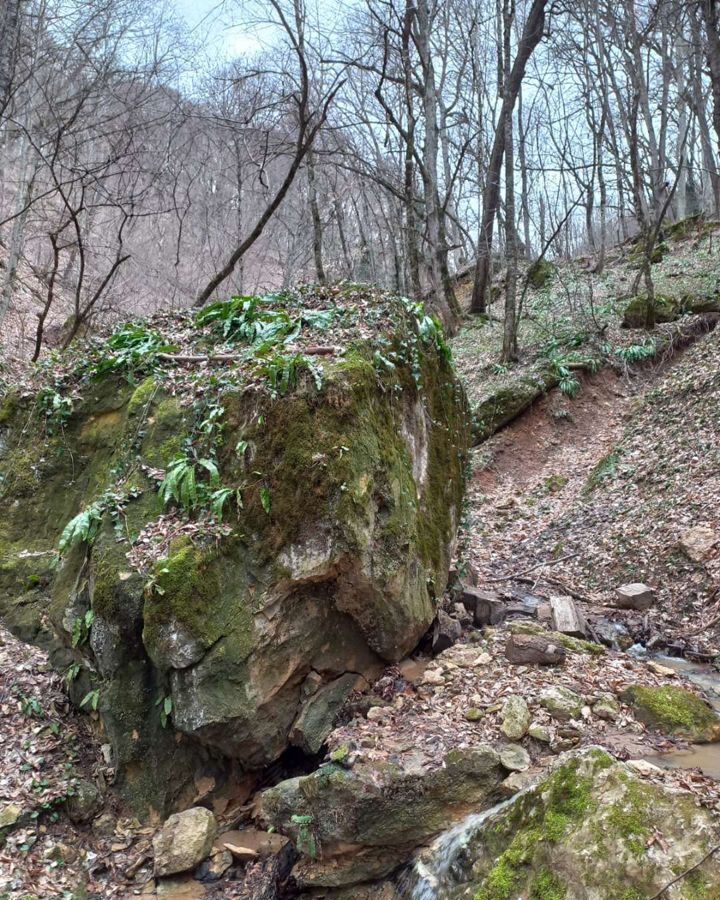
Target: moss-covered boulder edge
{"type": "Point", "coordinates": [590, 827]}
{"type": "Point", "coordinates": [350, 487]}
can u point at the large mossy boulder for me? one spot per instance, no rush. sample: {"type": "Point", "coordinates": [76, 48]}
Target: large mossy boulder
{"type": "Point", "coordinates": [358, 825]}
{"type": "Point", "coordinates": [641, 310]}
{"type": "Point", "coordinates": [329, 432]}
{"type": "Point", "coordinates": [591, 828]}
{"type": "Point", "coordinates": [674, 710]}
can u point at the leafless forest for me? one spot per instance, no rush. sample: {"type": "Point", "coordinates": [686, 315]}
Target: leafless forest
{"type": "Point", "coordinates": [379, 140]}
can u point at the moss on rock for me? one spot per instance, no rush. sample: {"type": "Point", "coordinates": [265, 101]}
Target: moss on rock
{"type": "Point", "coordinates": [638, 311]}
{"type": "Point", "coordinates": [541, 273]}
{"type": "Point", "coordinates": [583, 830]}
{"type": "Point", "coordinates": [674, 710]}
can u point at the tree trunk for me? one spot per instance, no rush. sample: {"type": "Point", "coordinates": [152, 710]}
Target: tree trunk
{"type": "Point", "coordinates": [531, 36]}
{"type": "Point", "coordinates": [316, 220]}
{"type": "Point", "coordinates": [711, 15]}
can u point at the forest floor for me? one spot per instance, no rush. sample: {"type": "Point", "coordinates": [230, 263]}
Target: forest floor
{"type": "Point", "coordinates": [575, 497]}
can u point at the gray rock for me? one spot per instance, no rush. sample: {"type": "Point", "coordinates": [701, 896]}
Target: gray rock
{"type": "Point", "coordinates": [84, 803]}
{"type": "Point", "coordinates": [215, 867]}
{"type": "Point", "coordinates": [515, 718]}
{"type": "Point", "coordinates": [446, 632]}
{"type": "Point", "coordinates": [515, 758]}
{"type": "Point", "coordinates": [562, 703]}
{"type": "Point", "coordinates": [369, 820]}
{"type": "Point", "coordinates": [486, 606]}
{"type": "Point", "coordinates": [315, 721]}
{"type": "Point", "coordinates": [539, 733]}
{"type": "Point", "coordinates": [184, 841]}
{"type": "Point", "coordinates": [634, 596]}
{"type": "Point", "coordinates": [606, 707]}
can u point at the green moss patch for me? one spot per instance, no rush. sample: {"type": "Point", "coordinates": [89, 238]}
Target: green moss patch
{"type": "Point", "coordinates": [674, 710]}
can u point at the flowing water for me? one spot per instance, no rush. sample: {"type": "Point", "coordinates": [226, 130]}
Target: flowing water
{"type": "Point", "coordinates": [439, 868]}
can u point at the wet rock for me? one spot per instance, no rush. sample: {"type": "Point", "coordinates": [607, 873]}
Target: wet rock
{"type": "Point", "coordinates": [316, 719]}
{"type": "Point", "coordinates": [585, 829]}
{"type": "Point", "coordinates": [562, 703]}
{"type": "Point", "coordinates": [486, 606]}
{"type": "Point", "coordinates": [698, 543]}
{"type": "Point", "coordinates": [446, 632]}
{"type": "Point", "coordinates": [533, 649]}
{"type": "Point", "coordinates": [516, 782]}
{"type": "Point", "coordinates": [184, 887]}
{"type": "Point", "coordinates": [215, 867]}
{"type": "Point", "coordinates": [636, 596]}
{"type": "Point", "coordinates": [184, 841]}
{"type": "Point", "coordinates": [84, 803]}
{"type": "Point", "coordinates": [606, 707]}
{"type": "Point", "coordinates": [613, 634]}
{"type": "Point", "coordinates": [370, 819]}
{"type": "Point", "coordinates": [674, 710]}
{"type": "Point", "coordinates": [515, 758]}
{"type": "Point", "coordinates": [660, 669]}
{"type": "Point", "coordinates": [515, 718]}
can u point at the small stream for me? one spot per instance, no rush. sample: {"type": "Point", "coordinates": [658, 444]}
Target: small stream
{"type": "Point", "coordinates": [705, 757]}
{"type": "Point", "coordinates": [439, 869]}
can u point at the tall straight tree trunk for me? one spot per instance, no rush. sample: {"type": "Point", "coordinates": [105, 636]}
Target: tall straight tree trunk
{"type": "Point", "coordinates": [509, 349]}
{"type": "Point", "coordinates": [711, 15]}
{"type": "Point", "coordinates": [531, 36]}
{"type": "Point", "coordinates": [316, 220]}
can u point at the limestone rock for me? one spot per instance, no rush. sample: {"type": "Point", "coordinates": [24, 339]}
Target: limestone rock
{"type": "Point", "coordinates": [446, 632]}
{"type": "Point", "coordinates": [606, 707]}
{"type": "Point", "coordinates": [369, 820]}
{"type": "Point", "coordinates": [432, 677]}
{"type": "Point", "coordinates": [215, 867]}
{"type": "Point", "coordinates": [515, 718]}
{"type": "Point", "coordinates": [539, 733]}
{"type": "Point", "coordinates": [697, 543]}
{"type": "Point", "coordinates": [487, 608]}
{"type": "Point", "coordinates": [10, 814]}
{"type": "Point", "coordinates": [84, 803]}
{"type": "Point", "coordinates": [184, 841]}
{"type": "Point", "coordinates": [562, 703]}
{"type": "Point", "coordinates": [583, 831]}
{"type": "Point", "coordinates": [515, 758]}
{"type": "Point", "coordinates": [533, 649]}
{"type": "Point", "coordinates": [316, 719]}
{"type": "Point", "coordinates": [636, 596]}
{"type": "Point", "coordinates": [675, 710]}
{"type": "Point", "coordinates": [341, 561]}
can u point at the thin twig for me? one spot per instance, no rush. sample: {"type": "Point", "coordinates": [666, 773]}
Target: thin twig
{"type": "Point", "coordinates": [552, 562]}
{"type": "Point", "coordinates": [686, 872]}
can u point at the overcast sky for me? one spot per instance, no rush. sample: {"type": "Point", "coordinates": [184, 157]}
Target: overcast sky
{"type": "Point", "coordinates": [206, 17]}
